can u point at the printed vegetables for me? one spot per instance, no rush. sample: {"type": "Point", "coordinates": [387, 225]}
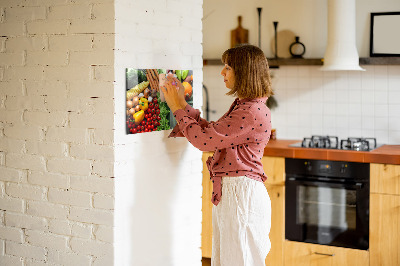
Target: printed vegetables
{"type": "Point", "coordinates": [137, 89]}
{"type": "Point", "coordinates": [144, 104]}
{"type": "Point", "coordinates": [139, 116]}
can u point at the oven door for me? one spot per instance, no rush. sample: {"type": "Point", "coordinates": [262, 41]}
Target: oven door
{"type": "Point", "coordinates": [327, 213]}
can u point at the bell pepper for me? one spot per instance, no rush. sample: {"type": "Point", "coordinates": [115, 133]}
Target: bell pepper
{"type": "Point", "coordinates": [144, 103]}
{"type": "Point", "coordinates": [138, 116]}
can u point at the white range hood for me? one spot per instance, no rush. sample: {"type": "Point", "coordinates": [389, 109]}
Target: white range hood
{"type": "Point", "coordinates": [341, 51]}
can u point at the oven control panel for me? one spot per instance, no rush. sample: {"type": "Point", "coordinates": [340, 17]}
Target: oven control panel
{"type": "Point", "coordinates": [338, 169]}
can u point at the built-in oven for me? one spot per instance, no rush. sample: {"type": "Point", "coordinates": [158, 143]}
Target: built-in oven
{"type": "Point", "coordinates": [327, 202]}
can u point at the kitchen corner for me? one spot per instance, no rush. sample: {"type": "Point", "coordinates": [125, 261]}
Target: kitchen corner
{"type": "Point", "coordinates": [382, 212]}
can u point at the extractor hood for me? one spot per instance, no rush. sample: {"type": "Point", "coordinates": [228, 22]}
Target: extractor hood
{"type": "Point", "coordinates": [341, 51]}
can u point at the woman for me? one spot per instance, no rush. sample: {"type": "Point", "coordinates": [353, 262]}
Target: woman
{"type": "Point", "coordinates": [242, 208]}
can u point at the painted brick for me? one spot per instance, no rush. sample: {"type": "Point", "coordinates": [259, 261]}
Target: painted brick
{"type": "Point", "coordinates": [103, 202]}
{"type": "Point", "coordinates": [46, 88]}
{"type": "Point", "coordinates": [44, 27]}
{"type": "Point", "coordinates": [25, 191]}
{"type": "Point", "coordinates": [46, 2]}
{"type": "Point", "coordinates": [21, 43]}
{"type": "Point", "coordinates": [92, 151]}
{"type": "Point", "coordinates": [24, 132]}
{"type": "Point", "coordinates": [103, 41]}
{"type": "Point", "coordinates": [95, 216]}
{"type": "Point", "coordinates": [46, 58]}
{"type": "Point", "coordinates": [104, 233]}
{"type": "Point", "coordinates": [71, 42]}
{"type": "Point", "coordinates": [91, 26]}
{"type": "Point", "coordinates": [69, 197]}
{"type": "Point", "coordinates": [46, 240]}
{"type": "Point", "coordinates": [25, 221]}
{"type": "Point", "coordinates": [99, 120]}
{"type": "Point", "coordinates": [68, 258]}
{"type": "Point", "coordinates": [107, 259]}
{"type": "Point", "coordinates": [12, 117]}
{"type": "Point", "coordinates": [11, 59]}
{"type": "Point", "coordinates": [93, 184]}
{"type": "Point", "coordinates": [25, 250]}
{"type": "Point", "coordinates": [60, 227]}
{"type": "Point", "coordinates": [24, 73]}
{"type": "Point", "coordinates": [56, 149]}
{"type": "Point", "coordinates": [91, 58]}
{"type": "Point", "coordinates": [2, 222]}
{"type": "Point", "coordinates": [13, 103]}
{"type": "Point", "coordinates": [2, 158]}
{"type": "Point", "coordinates": [57, 103]}
{"type": "Point", "coordinates": [104, 73]}
{"type": "Point", "coordinates": [91, 89]}
{"type": "Point", "coordinates": [91, 247]}
{"type": "Point", "coordinates": [12, 204]}
{"type": "Point", "coordinates": [24, 13]}
{"type": "Point", "coordinates": [101, 136]}
{"type": "Point", "coordinates": [69, 12]}
{"type": "Point", "coordinates": [74, 135]}
{"type": "Point", "coordinates": [25, 161]}
{"type": "Point", "coordinates": [66, 73]}
{"type": "Point", "coordinates": [103, 168]}
{"type": "Point", "coordinates": [11, 29]}
{"type": "Point", "coordinates": [103, 11]}
{"type": "Point", "coordinates": [48, 179]}
{"type": "Point", "coordinates": [11, 260]}
{"type": "Point", "coordinates": [3, 44]}
{"type": "Point", "coordinates": [70, 166]}
{"type": "Point", "coordinates": [11, 88]}
{"type": "Point", "coordinates": [46, 209]}
{"type": "Point", "coordinates": [12, 234]}
{"type": "Point", "coordinates": [12, 145]}
{"type": "Point", "coordinates": [82, 230]}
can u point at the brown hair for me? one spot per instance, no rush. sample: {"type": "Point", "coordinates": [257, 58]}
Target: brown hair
{"type": "Point", "coordinates": [250, 66]}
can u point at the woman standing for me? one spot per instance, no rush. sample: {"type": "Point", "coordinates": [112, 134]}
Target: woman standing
{"type": "Point", "coordinates": [242, 207]}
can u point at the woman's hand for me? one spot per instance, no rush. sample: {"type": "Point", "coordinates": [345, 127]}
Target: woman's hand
{"type": "Point", "coordinates": [175, 98]}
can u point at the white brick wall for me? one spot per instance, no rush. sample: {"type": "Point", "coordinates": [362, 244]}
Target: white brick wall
{"type": "Point", "coordinates": [56, 132]}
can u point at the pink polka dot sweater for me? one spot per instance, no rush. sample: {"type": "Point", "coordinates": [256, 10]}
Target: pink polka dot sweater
{"type": "Point", "coordinates": [238, 139]}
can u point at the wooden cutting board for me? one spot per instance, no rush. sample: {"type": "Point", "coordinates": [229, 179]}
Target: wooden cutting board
{"type": "Point", "coordinates": [239, 35]}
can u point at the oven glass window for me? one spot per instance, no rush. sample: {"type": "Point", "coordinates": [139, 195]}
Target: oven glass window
{"type": "Point", "coordinates": [326, 207]}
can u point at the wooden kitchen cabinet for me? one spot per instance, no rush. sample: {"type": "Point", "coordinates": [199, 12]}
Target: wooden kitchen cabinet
{"type": "Point", "coordinates": [206, 225]}
{"type": "Point", "coordinates": [274, 168]}
{"type": "Point", "coordinates": [305, 254]}
{"type": "Point", "coordinates": [384, 236]}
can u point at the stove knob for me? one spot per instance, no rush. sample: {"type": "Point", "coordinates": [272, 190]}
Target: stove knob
{"type": "Point", "coordinates": [343, 168]}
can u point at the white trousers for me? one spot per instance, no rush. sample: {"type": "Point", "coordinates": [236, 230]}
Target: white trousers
{"type": "Point", "coordinates": [241, 223]}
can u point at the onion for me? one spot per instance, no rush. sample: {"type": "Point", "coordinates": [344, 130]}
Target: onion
{"type": "Point", "coordinates": [135, 101]}
{"type": "Point", "coordinates": [129, 104]}
{"type": "Point", "coordinates": [137, 108]}
{"type": "Point", "coordinates": [132, 111]}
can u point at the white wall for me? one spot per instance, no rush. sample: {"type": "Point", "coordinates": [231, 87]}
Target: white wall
{"type": "Point", "coordinates": [56, 132]}
{"type": "Point", "coordinates": [158, 180]}
{"type": "Point", "coordinates": [311, 102]}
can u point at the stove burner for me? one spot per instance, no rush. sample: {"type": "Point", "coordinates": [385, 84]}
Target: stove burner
{"type": "Point", "coordinates": [328, 142]}
{"type": "Point", "coordinates": [358, 144]}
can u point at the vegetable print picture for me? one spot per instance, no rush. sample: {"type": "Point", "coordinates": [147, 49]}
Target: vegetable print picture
{"type": "Point", "coordinates": [146, 110]}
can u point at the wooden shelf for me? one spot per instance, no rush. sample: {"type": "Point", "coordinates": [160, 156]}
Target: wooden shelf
{"type": "Point", "coordinates": [274, 63]}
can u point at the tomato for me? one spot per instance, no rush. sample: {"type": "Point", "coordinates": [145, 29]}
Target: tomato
{"type": "Point", "coordinates": [146, 130]}
{"type": "Point", "coordinates": [158, 111]}
{"type": "Point", "coordinates": [156, 106]}
{"type": "Point", "coordinates": [158, 118]}
{"type": "Point", "coordinates": [155, 100]}
{"type": "Point", "coordinates": [134, 131]}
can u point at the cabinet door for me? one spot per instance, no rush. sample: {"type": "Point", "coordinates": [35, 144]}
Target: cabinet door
{"type": "Point", "coordinates": [385, 178]}
{"type": "Point", "coordinates": [304, 254]}
{"type": "Point", "coordinates": [206, 232]}
{"type": "Point", "coordinates": [274, 168]}
{"type": "Point", "coordinates": [277, 233]}
{"type": "Point", "coordinates": [384, 229]}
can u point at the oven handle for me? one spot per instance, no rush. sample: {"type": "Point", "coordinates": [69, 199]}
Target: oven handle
{"type": "Point", "coordinates": [357, 185]}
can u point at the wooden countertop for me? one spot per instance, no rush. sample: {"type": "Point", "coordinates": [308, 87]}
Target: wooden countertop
{"type": "Point", "coordinates": [389, 154]}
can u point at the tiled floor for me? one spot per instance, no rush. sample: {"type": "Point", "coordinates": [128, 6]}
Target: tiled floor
{"type": "Point", "coordinates": [206, 261]}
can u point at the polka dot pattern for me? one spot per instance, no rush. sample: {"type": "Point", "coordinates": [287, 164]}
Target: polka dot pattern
{"type": "Point", "coordinates": [238, 139]}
